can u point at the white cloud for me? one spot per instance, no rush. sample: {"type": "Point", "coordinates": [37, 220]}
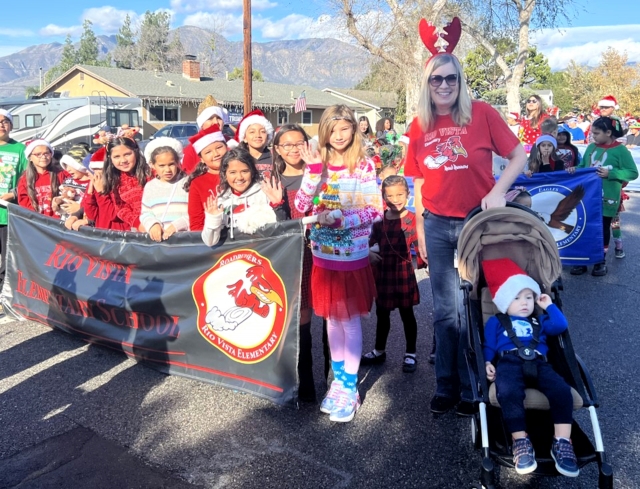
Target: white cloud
{"type": "Point", "coordinates": [56, 30]}
{"type": "Point", "coordinates": [15, 32]}
{"type": "Point", "coordinates": [215, 5]}
{"type": "Point", "coordinates": [108, 20]}
{"type": "Point", "coordinates": [585, 45]}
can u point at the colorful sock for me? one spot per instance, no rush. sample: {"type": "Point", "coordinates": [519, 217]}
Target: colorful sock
{"type": "Point", "coordinates": [350, 381]}
{"type": "Point", "coordinates": [338, 370]}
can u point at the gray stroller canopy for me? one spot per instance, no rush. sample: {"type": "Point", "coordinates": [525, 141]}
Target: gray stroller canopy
{"type": "Point", "coordinates": [508, 232]}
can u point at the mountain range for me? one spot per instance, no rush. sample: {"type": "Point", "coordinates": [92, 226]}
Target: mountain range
{"type": "Point", "coordinates": [320, 63]}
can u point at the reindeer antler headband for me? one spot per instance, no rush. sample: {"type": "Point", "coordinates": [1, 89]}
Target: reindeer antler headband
{"type": "Point", "coordinates": [451, 34]}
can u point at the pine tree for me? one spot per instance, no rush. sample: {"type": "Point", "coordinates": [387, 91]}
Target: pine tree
{"type": "Point", "coordinates": [152, 48]}
{"type": "Point", "coordinates": [124, 52]}
{"type": "Point", "coordinates": [67, 61]}
{"type": "Point", "coordinates": [88, 49]}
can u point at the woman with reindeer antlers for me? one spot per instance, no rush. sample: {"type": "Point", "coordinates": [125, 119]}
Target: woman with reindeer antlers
{"type": "Point", "coordinates": [450, 157]}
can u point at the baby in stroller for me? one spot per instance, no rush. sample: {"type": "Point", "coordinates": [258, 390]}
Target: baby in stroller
{"type": "Point", "coordinates": [516, 340]}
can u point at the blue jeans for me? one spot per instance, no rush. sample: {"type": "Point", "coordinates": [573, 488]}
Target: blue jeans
{"type": "Point", "coordinates": [449, 318]}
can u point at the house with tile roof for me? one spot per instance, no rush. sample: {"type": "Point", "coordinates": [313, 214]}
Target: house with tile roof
{"type": "Point", "coordinates": [174, 97]}
{"type": "Point", "coordinates": [377, 104]}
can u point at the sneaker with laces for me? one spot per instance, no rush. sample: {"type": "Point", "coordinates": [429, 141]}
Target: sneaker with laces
{"type": "Point", "coordinates": [565, 458]}
{"type": "Point", "coordinates": [524, 458]}
{"type": "Point", "coordinates": [344, 409]}
{"type": "Point", "coordinates": [331, 397]}
{"type": "Point", "coordinates": [620, 253]}
{"type": "Point", "coordinates": [599, 270]}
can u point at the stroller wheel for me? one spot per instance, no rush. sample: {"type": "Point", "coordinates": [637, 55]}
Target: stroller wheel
{"type": "Point", "coordinates": [475, 433]}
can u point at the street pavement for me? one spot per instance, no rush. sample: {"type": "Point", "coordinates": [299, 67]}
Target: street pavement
{"type": "Point", "coordinates": [79, 416]}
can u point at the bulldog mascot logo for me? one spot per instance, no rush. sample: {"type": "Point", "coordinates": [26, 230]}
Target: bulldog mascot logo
{"type": "Point", "coordinates": [242, 306]}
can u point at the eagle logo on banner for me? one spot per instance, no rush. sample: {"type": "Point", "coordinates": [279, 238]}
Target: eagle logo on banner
{"type": "Point", "coordinates": [242, 306]}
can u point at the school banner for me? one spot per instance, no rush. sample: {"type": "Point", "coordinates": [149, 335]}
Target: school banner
{"type": "Point", "coordinates": [226, 315]}
{"type": "Point", "coordinates": [571, 207]}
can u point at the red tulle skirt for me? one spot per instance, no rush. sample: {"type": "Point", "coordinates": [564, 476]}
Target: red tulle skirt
{"type": "Point", "coordinates": [342, 295]}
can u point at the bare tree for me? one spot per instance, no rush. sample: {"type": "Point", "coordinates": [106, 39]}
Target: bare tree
{"type": "Point", "coordinates": [487, 20]}
{"type": "Point", "coordinates": [388, 29]}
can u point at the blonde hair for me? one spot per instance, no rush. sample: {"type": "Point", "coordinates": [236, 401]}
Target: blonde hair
{"type": "Point", "coordinates": [461, 109]}
{"type": "Point", "coordinates": [330, 117]}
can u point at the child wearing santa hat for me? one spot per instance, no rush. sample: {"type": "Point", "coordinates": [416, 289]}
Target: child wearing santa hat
{"type": "Point", "coordinates": [210, 146]}
{"type": "Point", "coordinates": [516, 340]}
{"type": "Point", "coordinates": [254, 134]}
{"type": "Point", "coordinates": [209, 115]}
{"type": "Point", "coordinates": [513, 119]}
{"type": "Point", "coordinates": [74, 186]}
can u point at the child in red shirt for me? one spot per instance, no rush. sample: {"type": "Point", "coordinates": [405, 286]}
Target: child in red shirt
{"type": "Point", "coordinates": [40, 181]}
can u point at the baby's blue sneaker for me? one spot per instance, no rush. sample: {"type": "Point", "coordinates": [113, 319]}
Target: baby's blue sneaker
{"type": "Point", "coordinates": [524, 457]}
{"type": "Point", "coordinates": [565, 458]}
{"type": "Point", "coordinates": [327, 404]}
{"type": "Point", "coordinates": [345, 407]}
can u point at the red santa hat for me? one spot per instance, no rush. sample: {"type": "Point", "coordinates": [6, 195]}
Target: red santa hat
{"type": "Point", "coordinates": [34, 144]}
{"type": "Point", "coordinates": [97, 159]}
{"type": "Point", "coordinates": [609, 101]}
{"type": "Point", "coordinates": [513, 115]}
{"type": "Point", "coordinates": [209, 112]}
{"type": "Point", "coordinates": [404, 138]}
{"type": "Point", "coordinates": [206, 137]}
{"type": "Point", "coordinates": [254, 117]}
{"type": "Point", "coordinates": [506, 280]}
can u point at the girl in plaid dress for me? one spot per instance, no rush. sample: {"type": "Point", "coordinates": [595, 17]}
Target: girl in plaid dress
{"type": "Point", "coordinates": [391, 241]}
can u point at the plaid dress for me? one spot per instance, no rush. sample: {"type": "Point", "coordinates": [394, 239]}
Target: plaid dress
{"type": "Point", "coordinates": [395, 278]}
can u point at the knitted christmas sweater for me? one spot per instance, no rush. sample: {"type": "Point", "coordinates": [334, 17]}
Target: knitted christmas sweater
{"type": "Point", "coordinates": [127, 198]}
{"type": "Point", "coordinates": [623, 169]}
{"type": "Point", "coordinates": [343, 246]}
{"type": "Point", "coordinates": [165, 203]}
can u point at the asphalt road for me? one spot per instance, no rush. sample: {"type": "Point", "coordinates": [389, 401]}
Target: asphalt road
{"type": "Point", "coordinates": [79, 416]}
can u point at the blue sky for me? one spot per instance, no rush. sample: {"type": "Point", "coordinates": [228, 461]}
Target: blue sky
{"type": "Point", "coordinates": [594, 27]}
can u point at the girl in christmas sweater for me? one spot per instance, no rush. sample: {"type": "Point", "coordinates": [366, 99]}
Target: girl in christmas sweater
{"type": "Point", "coordinates": [210, 146]}
{"type": "Point", "coordinates": [339, 177]}
{"type": "Point", "coordinates": [40, 181]}
{"type": "Point", "coordinates": [614, 165]}
{"type": "Point", "coordinates": [124, 177]}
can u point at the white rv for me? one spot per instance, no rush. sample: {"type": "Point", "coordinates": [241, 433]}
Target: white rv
{"type": "Point", "coordinates": [65, 121]}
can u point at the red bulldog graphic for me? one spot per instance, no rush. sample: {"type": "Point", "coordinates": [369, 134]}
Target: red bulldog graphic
{"type": "Point", "coordinates": [242, 306]}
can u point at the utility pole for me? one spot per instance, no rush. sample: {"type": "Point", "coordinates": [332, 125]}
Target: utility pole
{"type": "Point", "coordinates": [41, 78]}
{"type": "Point", "coordinates": [248, 69]}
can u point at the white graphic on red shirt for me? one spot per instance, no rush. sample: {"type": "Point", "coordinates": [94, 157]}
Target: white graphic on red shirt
{"type": "Point", "coordinates": [450, 150]}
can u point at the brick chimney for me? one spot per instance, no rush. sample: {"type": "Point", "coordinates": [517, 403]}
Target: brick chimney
{"type": "Point", "coordinates": [191, 68]}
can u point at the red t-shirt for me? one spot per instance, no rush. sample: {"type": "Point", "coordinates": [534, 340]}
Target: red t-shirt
{"type": "Point", "coordinates": [457, 162]}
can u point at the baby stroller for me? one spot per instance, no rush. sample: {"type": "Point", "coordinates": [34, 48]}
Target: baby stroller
{"type": "Point", "coordinates": [517, 233]}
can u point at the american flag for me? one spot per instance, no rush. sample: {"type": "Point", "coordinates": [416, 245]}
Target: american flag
{"type": "Point", "coordinates": [301, 103]}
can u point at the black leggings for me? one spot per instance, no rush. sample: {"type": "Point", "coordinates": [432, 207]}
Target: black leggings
{"type": "Point", "coordinates": [606, 230]}
{"type": "Point", "coordinates": [384, 326]}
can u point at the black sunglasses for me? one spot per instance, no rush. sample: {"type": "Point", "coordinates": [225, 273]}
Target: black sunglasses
{"type": "Point", "coordinates": [436, 80]}
{"type": "Point", "coordinates": [532, 101]}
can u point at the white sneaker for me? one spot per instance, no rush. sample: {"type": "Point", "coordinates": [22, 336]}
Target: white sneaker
{"type": "Point", "coordinates": [327, 404]}
{"type": "Point", "coordinates": [345, 407]}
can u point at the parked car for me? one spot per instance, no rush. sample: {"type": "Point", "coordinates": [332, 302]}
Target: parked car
{"type": "Point", "coordinates": [181, 132]}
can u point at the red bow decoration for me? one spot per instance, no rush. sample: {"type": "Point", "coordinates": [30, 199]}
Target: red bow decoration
{"type": "Point", "coordinates": [429, 36]}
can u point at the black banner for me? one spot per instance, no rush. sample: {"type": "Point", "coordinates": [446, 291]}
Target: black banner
{"type": "Point", "coordinates": [226, 315]}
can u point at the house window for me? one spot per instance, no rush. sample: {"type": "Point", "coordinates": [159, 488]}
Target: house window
{"type": "Point", "coordinates": [283, 117]}
{"type": "Point", "coordinates": [32, 120]}
{"type": "Point", "coordinates": [16, 122]}
{"type": "Point", "coordinates": [306, 118]}
{"type": "Point", "coordinates": [164, 113]}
